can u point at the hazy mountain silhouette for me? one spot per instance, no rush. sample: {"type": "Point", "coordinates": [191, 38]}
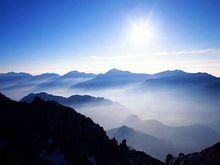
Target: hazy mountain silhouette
{"type": "Point", "coordinates": [17, 85]}
{"type": "Point", "coordinates": [73, 101]}
{"type": "Point", "coordinates": [176, 80]}
{"type": "Point", "coordinates": [112, 78]}
{"type": "Point", "coordinates": [67, 80]}
{"type": "Point", "coordinates": [12, 76]}
{"type": "Point", "coordinates": [187, 138]}
{"type": "Point", "coordinates": [13, 80]}
{"type": "Point", "coordinates": [45, 132]}
{"type": "Point", "coordinates": [199, 83]}
{"type": "Point", "coordinates": [196, 83]}
{"type": "Point", "coordinates": [144, 142]}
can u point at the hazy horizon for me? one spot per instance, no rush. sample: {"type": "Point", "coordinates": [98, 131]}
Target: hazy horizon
{"type": "Point", "coordinates": [61, 74]}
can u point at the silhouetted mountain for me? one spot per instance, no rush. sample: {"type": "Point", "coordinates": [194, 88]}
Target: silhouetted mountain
{"type": "Point", "coordinates": [156, 147]}
{"type": "Point", "coordinates": [45, 132]}
{"type": "Point", "coordinates": [187, 138]}
{"type": "Point", "coordinates": [73, 101]}
{"type": "Point", "coordinates": [208, 156]}
{"type": "Point", "coordinates": [112, 78]}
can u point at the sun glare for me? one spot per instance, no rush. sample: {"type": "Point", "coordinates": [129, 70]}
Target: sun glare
{"type": "Point", "coordinates": [141, 33]}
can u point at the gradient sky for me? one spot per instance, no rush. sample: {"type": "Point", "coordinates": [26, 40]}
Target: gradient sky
{"type": "Point", "coordinates": [96, 35]}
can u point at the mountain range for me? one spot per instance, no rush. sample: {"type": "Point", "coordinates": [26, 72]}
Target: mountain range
{"type": "Point", "coordinates": [17, 85]}
{"type": "Point", "coordinates": [176, 79]}
{"type": "Point", "coordinates": [112, 78]}
{"type": "Point", "coordinates": [13, 80]}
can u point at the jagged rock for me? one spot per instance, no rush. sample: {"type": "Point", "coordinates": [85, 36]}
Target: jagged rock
{"type": "Point", "coordinates": [209, 156]}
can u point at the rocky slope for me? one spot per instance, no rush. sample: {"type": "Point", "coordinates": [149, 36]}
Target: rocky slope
{"type": "Point", "coordinates": [209, 156]}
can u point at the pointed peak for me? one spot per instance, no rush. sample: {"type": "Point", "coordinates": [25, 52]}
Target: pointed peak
{"type": "Point", "coordinates": [116, 71]}
{"type": "Point", "coordinates": [72, 72]}
{"type": "Point", "coordinates": [76, 73]}
{"type": "Point", "coordinates": [48, 74]}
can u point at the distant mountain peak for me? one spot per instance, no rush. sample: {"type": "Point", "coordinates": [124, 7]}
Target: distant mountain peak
{"type": "Point", "coordinates": [125, 127]}
{"type": "Point", "coordinates": [133, 118]}
{"type": "Point", "coordinates": [116, 71]}
{"type": "Point", "coordinates": [76, 73]}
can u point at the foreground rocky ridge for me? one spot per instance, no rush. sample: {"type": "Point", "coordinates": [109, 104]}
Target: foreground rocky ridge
{"type": "Point", "coordinates": [208, 156]}
{"type": "Point", "coordinates": [45, 132]}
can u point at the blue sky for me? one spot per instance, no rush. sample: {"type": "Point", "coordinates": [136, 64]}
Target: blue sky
{"type": "Point", "coordinates": [97, 35]}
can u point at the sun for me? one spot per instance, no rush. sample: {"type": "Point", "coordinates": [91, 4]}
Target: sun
{"type": "Point", "coordinates": [141, 33]}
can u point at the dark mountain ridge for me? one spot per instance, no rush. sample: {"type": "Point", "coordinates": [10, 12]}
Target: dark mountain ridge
{"type": "Point", "coordinates": [45, 132]}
